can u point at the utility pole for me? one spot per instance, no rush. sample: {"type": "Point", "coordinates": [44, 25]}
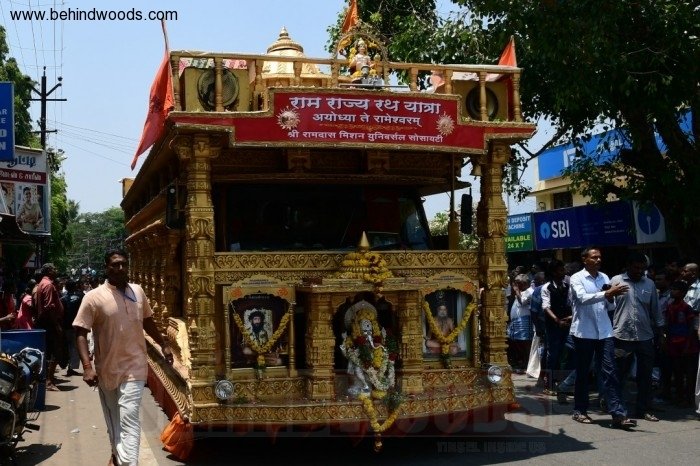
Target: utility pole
{"type": "Point", "coordinates": [43, 98]}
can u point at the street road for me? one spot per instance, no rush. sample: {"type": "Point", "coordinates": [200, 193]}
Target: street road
{"type": "Point", "coordinates": [71, 431]}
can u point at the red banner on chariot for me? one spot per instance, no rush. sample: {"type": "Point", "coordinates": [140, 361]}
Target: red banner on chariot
{"type": "Point", "coordinates": [358, 118]}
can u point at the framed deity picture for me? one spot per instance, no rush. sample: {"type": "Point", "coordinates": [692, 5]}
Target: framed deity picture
{"type": "Point", "coordinates": [447, 308]}
{"type": "Point", "coordinates": [259, 316]}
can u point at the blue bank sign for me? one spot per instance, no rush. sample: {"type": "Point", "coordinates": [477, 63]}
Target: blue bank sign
{"type": "Point", "coordinates": [7, 121]}
{"type": "Point", "coordinates": [600, 147]}
{"type": "Point", "coordinates": [609, 224]}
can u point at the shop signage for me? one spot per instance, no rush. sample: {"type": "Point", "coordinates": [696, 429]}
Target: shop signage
{"type": "Point", "coordinates": [7, 121]}
{"type": "Point", "coordinates": [608, 224]}
{"type": "Point", "coordinates": [519, 233]}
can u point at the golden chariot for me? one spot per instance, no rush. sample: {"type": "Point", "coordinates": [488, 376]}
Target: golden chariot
{"type": "Point", "coordinates": [280, 214]}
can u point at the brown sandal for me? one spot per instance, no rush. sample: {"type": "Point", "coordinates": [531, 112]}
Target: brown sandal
{"type": "Point", "coordinates": [582, 418]}
{"type": "Point", "coordinates": [623, 423]}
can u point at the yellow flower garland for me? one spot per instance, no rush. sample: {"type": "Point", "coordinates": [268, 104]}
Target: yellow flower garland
{"type": "Point", "coordinates": [447, 340]}
{"type": "Point", "coordinates": [368, 406]}
{"type": "Point", "coordinates": [262, 350]}
{"type": "Point", "coordinates": [367, 266]}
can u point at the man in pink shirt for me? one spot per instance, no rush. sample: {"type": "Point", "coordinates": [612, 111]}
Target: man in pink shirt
{"type": "Point", "coordinates": [49, 315]}
{"type": "Point", "coordinates": [117, 312]}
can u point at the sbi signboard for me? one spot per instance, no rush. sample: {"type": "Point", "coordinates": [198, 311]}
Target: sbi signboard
{"type": "Point", "coordinates": [607, 224]}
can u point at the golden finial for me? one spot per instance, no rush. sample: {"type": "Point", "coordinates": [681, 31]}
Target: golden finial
{"type": "Point", "coordinates": [364, 243]}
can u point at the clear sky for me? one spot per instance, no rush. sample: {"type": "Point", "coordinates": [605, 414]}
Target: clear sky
{"type": "Point", "coordinates": [108, 66]}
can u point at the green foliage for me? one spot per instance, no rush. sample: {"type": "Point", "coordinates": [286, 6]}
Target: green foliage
{"type": "Point", "coordinates": [393, 399]}
{"type": "Point", "coordinates": [61, 238]}
{"type": "Point", "coordinates": [93, 235]}
{"type": "Point", "coordinates": [438, 226]}
{"type": "Point", "coordinates": [628, 64]}
{"type": "Point", "coordinates": [9, 71]}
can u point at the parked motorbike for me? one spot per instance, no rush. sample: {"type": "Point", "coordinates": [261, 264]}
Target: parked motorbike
{"type": "Point", "coordinates": [20, 374]}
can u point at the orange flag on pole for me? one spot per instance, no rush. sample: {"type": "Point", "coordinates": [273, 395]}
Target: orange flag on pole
{"type": "Point", "coordinates": [351, 17]}
{"type": "Point", "coordinates": [508, 55]}
{"type": "Point", "coordinates": [160, 102]}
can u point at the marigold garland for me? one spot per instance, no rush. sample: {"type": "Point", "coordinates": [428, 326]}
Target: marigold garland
{"type": "Point", "coordinates": [371, 413]}
{"type": "Point", "coordinates": [368, 266]}
{"type": "Point", "coordinates": [261, 350]}
{"type": "Point", "coordinates": [447, 340]}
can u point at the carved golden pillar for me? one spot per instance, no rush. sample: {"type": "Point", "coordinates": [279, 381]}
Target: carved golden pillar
{"type": "Point", "coordinates": [448, 81]}
{"type": "Point", "coordinates": [493, 268]}
{"type": "Point", "coordinates": [413, 83]}
{"type": "Point", "coordinates": [410, 308]}
{"type": "Point", "coordinates": [297, 72]}
{"type": "Point", "coordinates": [218, 84]}
{"type": "Point", "coordinates": [320, 343]}
{"type": "Point", "coordinates": [152, 266]}
{"type": "Point", "coordinates": [196, 153]}
{"type": "Point", "coordinates": [171, 276]}
{"type": "Point", "coordinates": [260, 94]}
{"type": "Point", "coordinates": [175, 67]}
{"type": "Point", "coordinates": [482, 96]}
{"type": "Point", "coordinates": [335, 72]}
{"type": "Point", "coordinates": [136, 266]}
{"type": "Point", "coordinates": [517, 116]}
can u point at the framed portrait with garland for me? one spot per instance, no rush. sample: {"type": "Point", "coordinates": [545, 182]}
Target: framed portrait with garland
{"type": "Point", "coordinates": [447, 308]}
{"type": "Point", "coordinates": [253, 321]}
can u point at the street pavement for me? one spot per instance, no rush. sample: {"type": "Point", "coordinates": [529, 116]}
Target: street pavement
{"type": "Point", "coordinates": [71, 431]}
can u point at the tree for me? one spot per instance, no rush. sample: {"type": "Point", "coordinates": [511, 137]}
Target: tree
{"type": "Point", "coordinates": [438, 227]}
{"type": "Point", "coordinates": [9, 71]}
{"type": "Point", "coordinates": [591, 65]}
{"type": "Point", "coordinates": [61, 215]}
{"type": "Point", "coordinates": [94, 233]}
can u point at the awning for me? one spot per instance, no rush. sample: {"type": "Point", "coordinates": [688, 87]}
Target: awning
{"type": "Point", "coordinates": [10, 230]}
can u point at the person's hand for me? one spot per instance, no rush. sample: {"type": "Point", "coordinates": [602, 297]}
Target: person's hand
{"type": "Point", "coordinates": [168, 354]}
{"type": "Point", "coordinates": [90, 376]}
{"type": "Point", "coordinates": [616, 290]}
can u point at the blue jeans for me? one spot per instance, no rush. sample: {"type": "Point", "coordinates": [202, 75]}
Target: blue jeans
{"type": "Point", "coordinates": [604, 352]}
{"type": "Point", "coordinates": [556, 338]}
{"type": "Point", "coordinates": [625, 352]}
{"type": "Point", "coordinates": [121, 408]}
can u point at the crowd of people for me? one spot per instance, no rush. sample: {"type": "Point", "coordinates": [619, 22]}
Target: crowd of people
{"type": "Point", "coordinates": [576, 324]}
{"type": "Point", "coordinates": [117, 313]}
{"type": "Point", "coordinates": [47, 302]}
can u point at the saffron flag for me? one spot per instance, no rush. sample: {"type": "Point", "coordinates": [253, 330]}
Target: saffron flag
{"type": "Point", "coordinates": [508, 55]}
{"type": "Point", "coordinates": [160, 102]}
{"type": "Point", "coordinates": [351, 17]}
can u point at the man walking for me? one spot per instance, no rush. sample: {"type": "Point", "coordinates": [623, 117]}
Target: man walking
{"type": "Point", "coordinates": [49, 315]}
{"type": "Point", "coordinates": [118, 312]}
{"type": "Point", "coordinates": [557, 308]}
{"type": "Point", "coordinates": [592, 332]}
{"type": "Point", "coordinates": [636, 321]}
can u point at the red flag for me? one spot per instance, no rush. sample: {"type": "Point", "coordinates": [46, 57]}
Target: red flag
{"type": "Point", "coordinates": [160, 103]}
{"type": "Point", "coordinates": [351, 17]}
{"type": "Point", "coordinates": [508, 54]}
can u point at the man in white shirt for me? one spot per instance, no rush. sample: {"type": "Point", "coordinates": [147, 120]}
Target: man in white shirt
{"type": "Point", "coordinates": [593, 335]}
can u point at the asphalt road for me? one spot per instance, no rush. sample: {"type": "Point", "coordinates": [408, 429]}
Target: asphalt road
{"type": "Point", "coordinates": [71, 431]}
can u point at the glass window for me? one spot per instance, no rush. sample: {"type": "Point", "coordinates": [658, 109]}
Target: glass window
{"type": "Point", "coordinates": [276, 217]}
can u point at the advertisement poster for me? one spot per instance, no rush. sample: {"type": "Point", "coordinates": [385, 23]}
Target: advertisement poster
{"type": "Point", "coordinates": [25, 190]}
